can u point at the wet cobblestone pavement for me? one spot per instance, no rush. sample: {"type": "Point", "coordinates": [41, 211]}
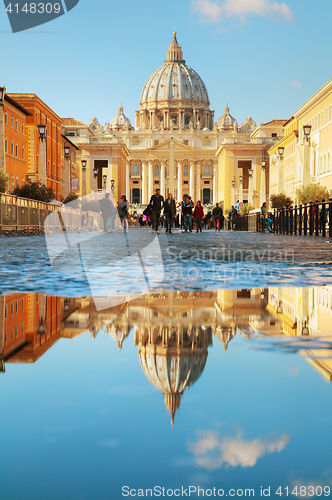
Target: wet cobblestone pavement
{"type": "Point", "coordinates": [192, 261]}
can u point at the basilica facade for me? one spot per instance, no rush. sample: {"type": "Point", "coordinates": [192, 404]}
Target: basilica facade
{"type": "Point", "coordinates": [175, 144]}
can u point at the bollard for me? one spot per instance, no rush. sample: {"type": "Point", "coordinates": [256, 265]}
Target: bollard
{"type": "Point", "coordinates": [300, 220]}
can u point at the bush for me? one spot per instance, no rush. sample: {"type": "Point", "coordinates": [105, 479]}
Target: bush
{"type": "Point", "coordinates": [35, 191]}
{"type": "Point", "coordinates": [312, 192]}
{"type": "Point", "coordinates": [3, 181]}
{"type": "Point", "coordinates": [245, 209]}
{"type": "Point", "coordinates": [279, 200]}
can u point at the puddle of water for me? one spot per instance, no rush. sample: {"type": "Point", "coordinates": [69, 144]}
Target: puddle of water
{"type": "Point", "coordinates": [168, 390]}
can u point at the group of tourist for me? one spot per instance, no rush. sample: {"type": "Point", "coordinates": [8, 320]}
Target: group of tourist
{"type": "Point", "coordinates": [185, 214]}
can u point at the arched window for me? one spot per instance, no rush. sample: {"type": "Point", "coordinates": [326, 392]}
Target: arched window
{"type": "Point", "coordinates": [206, 169]}
{"type": "Point", "coordinates": [136, 169]}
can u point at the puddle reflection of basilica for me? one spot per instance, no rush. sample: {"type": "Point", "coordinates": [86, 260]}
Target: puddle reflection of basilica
{"type": "Point", "coordinates": [172, 330]}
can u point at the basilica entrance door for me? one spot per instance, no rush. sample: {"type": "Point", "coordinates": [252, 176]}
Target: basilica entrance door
{"type": "Point", "coordinates": [136, 196]}
{"type": "Point", "coordinates": [206, 196]}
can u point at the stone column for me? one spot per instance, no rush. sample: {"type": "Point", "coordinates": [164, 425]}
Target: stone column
{"type": "Point", "coordinates": [144, 183]}
{"type": "Point", "coordinates": [263, 186]}
{"type": "Point", "coordinates": [192, 179]}
{"type": "Point", "coordinates": [214, 180]}
{"type": "Point", "coordinates": [198, 180]}
{"type": "Point", "coordinates": [127, 181]}
{"type": "Point", "coordinates": [162, 177]}
{"type": "Point", "coordinates": [180, 179]}
{"type": "Point", "coordinates": [150, 179]}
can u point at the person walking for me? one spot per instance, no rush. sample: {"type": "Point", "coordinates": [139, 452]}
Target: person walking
{"type": "Point", "coordinates": [233, 215]}
{"type": "Point", "coordinates": [187, 211]}
{"type": "Point", "coordinates": [217, 214]}
{"type": "Point", "coordinates": [123, 213]}
{"type": "Point", "coordinates": [169, 212]}
{"type": "Point", "coordinates": [198, 216]}
{"type": "Point", "coordinates": [157, 203]}
{"type": "Point", "coordinates": [265, 216]}
{"type": "Point", "coordinates": [107, 209]}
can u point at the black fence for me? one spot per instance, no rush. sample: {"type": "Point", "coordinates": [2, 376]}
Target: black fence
{"type": "Point", "coordinates": [311, 219]}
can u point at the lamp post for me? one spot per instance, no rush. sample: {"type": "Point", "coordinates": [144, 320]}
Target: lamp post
{"type": "Point", "coordinates": [281, 151]}
{"type": "Point", "coordinates": [306, 154]}
{"type": "Point", "coordinates": [112, 184]}
{"type": "Point", "coordinates": [233, 192]}
{"type": "Point", "coordinates": [263, 181]}
{"type": "Point", "coordinates": [251, 174]}
{"type": "Point", "coordinates": [83, 163]}
{"type": "Point", "coordinates": [104, 179]}
{"type": "Point", "coordinates": [95, 175]}
{"type": "Point", "coordinates": [42, 172]}
{"type": "Point", "coordinates": [2, 129]}
{"type": "Point", "coordinates": [241, 189]}
{"type": "Point", "coordinates": [66, 189]}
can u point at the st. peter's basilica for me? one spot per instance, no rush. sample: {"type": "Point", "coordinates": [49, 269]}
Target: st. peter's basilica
{"type": "Point", "coordinates": [176, 144]}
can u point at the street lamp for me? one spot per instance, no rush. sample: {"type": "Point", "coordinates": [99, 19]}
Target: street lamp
{"type": "Point", "coordinates": [306, 130]}
{"type": "Point", "coordinates": [42, 132]}
{"type": "Point", "coordinates": [105, 179]}
{"type": "Point", "coordinates": [281, 151]}
{"type": "Point", "coordinates": [305, 329]}
{"type": "Point", "coordinates": [83, 162]}
{"type": "Point", "coordinates": [251, 172]}
{"type": "Point", "coordinates": [263, 163]}
{"type": "Point", "coordinates": [233, 183]}
{"type": "Point", "coordinates": [95, 172]}
{"type": "Point", "coordinates": [67, 152]}
{"type": "Point", "coordinates": [279, 308]}
{"type": "Point", "coordinates": [112, 184]}
{"type": "Point", "coordinates": [41, 328]}
{"type": "Point", "coordinates": [241, 178]}
{"type": "Point", "coordinates": [66, 306]}
{"type": "Point", "coordinates": [2, 94]}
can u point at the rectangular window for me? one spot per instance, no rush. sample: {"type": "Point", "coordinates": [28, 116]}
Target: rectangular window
{"type": "Point", "coordinates": [17, 181]}
{"type": "Point", "coordinates": [274, 134]}
{"type": "Point", "coordinates": [186, 142]}
{"type": "Point", "coordinates": [156, 182]}
{"type": "Point", "coordinates": [6, 119]}
{"type": "Point", "coordinates": [6, 312]}
{"type": "Point", "coordinates": [135, 182]}
{"type": "Point", "coordinates": [16, 150]}
{"type": "Point", "coordinates": [318, 120]}
{"type": "Point", "coordinates": [185, 171]}
{"type": "Point", "coordinates": [330, 111]}
{"type": "Point", "coordinates": [12, 122]}
{"type": "Point", "coordinates": [13, 187]}
{"type": "Point", "coordinates": [185, 182]}
{"type": "Point", "coordinates": [186, 120]}
{"type": "Point", "coordinates": [156, 171]}
{"type": "Point", "coordinates": [23, 153]}
{"type": "Point", "coordinates": [5, 338]}
{"type": "Point", "coordinates": [12, 148]}
{"type": "Point", "coordinates": [6, 146]}
{"type": "Point", "coordinates": [22, 128]}
{"type": "Point", "coordinates": [156, 142]}
{"type": "Point", "coordinates": [206, 182]}
{"type": "Point", "coordinates": [16, 124]}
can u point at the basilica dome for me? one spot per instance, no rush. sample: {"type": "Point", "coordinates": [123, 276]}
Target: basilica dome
{"type": "Point", "coordinates": [120, 120]}
{"type": "Point", "coordinates": [175, 92]}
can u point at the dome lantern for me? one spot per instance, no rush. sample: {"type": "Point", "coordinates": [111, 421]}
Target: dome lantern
{"type": "Point", "coordinates": [174, 53]}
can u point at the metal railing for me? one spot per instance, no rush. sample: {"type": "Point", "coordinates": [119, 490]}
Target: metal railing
{"type": "Point", "coordinates": [312, 219]}
{"type": "Point", "coordinates": [21, 216]}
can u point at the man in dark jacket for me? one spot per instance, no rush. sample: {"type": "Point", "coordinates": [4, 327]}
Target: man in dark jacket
{"type": "Point", "coordinates": [217, 215]}
{"type": "Point", "coordinates": [157, 203]}
{"type": "Point", "coordinates": [107, 211]}
{"type": "Point", "coordinates": [169, 212]}
{"type": "Point", "coordinates": [187, 211]}
{"type": "Point", "coordinates": [233, 215]}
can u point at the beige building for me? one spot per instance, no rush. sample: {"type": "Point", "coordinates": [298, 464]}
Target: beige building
{"type": "Point", "coordinates": [176, 144]}
{"type": "Point", "coordinates": [305, 159]}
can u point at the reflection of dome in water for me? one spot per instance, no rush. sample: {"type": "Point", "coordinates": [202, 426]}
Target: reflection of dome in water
{"type": "Point", "coordinates": [173, 362]}
{"type": "Point", "coordinates": [118, 335]}
{"type": "Point", "coordinates": [225, 335]}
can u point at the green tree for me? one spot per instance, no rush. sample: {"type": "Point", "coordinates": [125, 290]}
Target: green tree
{"type": "Point", "coordinates": [35, 191]}
{"type": "Point", "coordinates": [312, 192]}
{"type": "Point", "coordinates": [3, 181]}
{"type": "Point", "coordinates": [279, 200]}
{"type": "Point", "coordinates": [70, 197]}
{"type": "Point", "coordinates": [245, 209]}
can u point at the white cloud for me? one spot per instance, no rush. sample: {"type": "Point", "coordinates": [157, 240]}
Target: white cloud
{"type": "Point", "coordinates": [211, 451]}
{"type": "Point", "coordinates": [210, 11]}
{"type": "Point", "coordinates": [297, 84]}
{"type": "Point", "coordinates": [213, 11]}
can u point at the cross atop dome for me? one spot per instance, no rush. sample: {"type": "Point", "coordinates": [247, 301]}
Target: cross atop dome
{"type": "Point", "coordinates": [174, 53]}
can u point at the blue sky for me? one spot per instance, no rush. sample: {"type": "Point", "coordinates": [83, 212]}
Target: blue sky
{"type": "Point", "coordinates": [264, 58]}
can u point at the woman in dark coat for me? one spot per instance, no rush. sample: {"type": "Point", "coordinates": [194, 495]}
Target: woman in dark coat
{"type": "Point", "coordinates": [169, 212]}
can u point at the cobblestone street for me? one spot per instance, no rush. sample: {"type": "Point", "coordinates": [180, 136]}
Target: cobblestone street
{"type": "Point", "coordinates": [203, 261]}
